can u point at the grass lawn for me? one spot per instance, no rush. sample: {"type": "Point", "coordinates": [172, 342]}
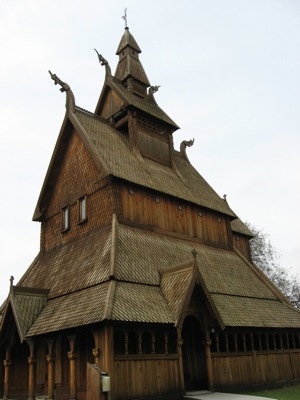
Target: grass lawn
{"type": "Point", "coordinates": [285, 393]}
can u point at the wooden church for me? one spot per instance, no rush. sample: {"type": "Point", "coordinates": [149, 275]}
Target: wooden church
{"type": "Point", "coordinates": [144, 285]}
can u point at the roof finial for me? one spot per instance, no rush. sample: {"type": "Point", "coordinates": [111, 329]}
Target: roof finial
{"type": "Point", "coordinates": [125, 17]}
{"type": "Point", "coordinates": [11, 281]}
{"type": "Point", "coordinates": [70, 102]}
{"type": "Point", "coordinates": [183, 145]}
{"type": "Point", "coordinates": [104, 62]}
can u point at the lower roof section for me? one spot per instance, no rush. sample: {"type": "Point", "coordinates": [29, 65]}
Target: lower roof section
{"type": "Point", "coordinates": [151, 280]}
{"type": "Point", "coordinates": [238, 311]}
{"type": "Point", "coordinates": [73, 310]}
{"type": "Point", "coordinates": [129, 301]}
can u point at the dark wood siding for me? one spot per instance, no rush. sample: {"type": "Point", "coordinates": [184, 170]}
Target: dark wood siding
{"type": "Point", "coordinates": [241, 243]}
{"type": "Point", "coordinates": [175, 216]}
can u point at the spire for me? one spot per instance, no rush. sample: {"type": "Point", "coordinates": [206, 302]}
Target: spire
{"type": "Point", "coordinates": [129, 69]}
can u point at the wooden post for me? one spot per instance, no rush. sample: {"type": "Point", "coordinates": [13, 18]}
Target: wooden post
{"type": "Point", "coordinates": [96, 354]}
{"type": "Point", "coordinates": [7, 363]}
{"type": "Point", "coordinates": [32, 364]}
{"type": "Point", "coordinates": [210, 376]}
{"type": "Point", "coordinates": [72, 357]}
{"type": "Point", "coordinates": [31, 379]}
{"type": "Point", "coordinates": [180, 362]}
{"type": "Point", "coordinates": [96, 349]}
{"type": "Point", "coordinates": [51, 360]}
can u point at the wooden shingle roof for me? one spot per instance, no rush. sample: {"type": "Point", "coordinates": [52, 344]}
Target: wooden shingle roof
{"type": "Point", "coordinates": [114, 152]}
{"type": "Point", "coordinates": [255, 312]}
{"type": "Point", "coordinates": [150, 269]}
{"type": "Point", "coordinates": [238, 226]}
{"type": "Point", "coordinates": [140, 303]}
{"type": "Point", "coordinates": [79, 308]}
{"type": "Point", "coordinates": [73, 266]}
{"type": "Point", "coordinates": [147, 105]}
{"type": "Point", "coordinates": [25, 304]}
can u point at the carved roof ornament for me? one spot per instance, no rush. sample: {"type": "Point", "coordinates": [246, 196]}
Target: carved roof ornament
{"type": "Point", "coordinates": [11, 282]}
{"type": "Point", "coordinates": [104, 62]}
{"type": "Point", "coordinates": [152, 90]}
{"type": "Point", "coordinates": [184, 144]}
{"type": "Point", "coordinates": [70, 99]}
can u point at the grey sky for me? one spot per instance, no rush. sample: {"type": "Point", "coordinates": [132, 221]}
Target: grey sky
{"type": "Point", "coordinates": [229, 76]}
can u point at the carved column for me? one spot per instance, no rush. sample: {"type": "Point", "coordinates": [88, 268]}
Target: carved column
{"type": "Point", "coordinates": [32, 363]}
{"type": "Point", "coordinates": [7, 363]}
{"type": "Point", "coordinates": [51, 362]}
{"type": "Point", "coordinates": [72, 357]}
{"type": "Point", "coordinates": [96, 354]}
{"type": "Point", "coordinates": [210, 376]}
{"type": "Point", "coordinates": [32, 366]}
{"type": "Point", "coordinates": [96, 349]}
{"type": "Point", "coordinates": [180, 362]}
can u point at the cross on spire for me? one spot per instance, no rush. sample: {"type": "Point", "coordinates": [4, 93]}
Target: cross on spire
{"type": "Point", "coordinates": [125, 16]}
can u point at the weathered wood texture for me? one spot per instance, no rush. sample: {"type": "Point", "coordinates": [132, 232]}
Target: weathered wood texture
{"type": "Point", "coordinates": [240, 371]}
{"type": "Point", "coordinates": [153, 140]}
{"type": "Point", "coordinates": [242, 244]}
{"type": "Point", "coordinates": [100, 207]}
{"type": "Point", "coordinates": [94, 382]}
{"type": "Point", "coordinates": [157, 211]}
{"type": "Point", "coordinates": [112, 104]}
{"type": "Point", "coordinates": [78, 177]}
{"type": "Point", "coordinates": [19, 371]}
{"type": "Point", "coordinates": [142, 378]}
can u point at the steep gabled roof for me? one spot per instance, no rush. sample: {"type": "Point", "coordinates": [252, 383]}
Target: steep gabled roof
{"type": "Point", "coordinates": [147, 105]}
{"type": "Point", "coordinates": [129, 65]}
{"type": "Point", "coordinates": [176, 285]}
{"type": "Point", "coordinates": [113, 156]}
{"type": "Point", "coordinates": [25, 304]}
{"type": "Point", "coordinates": [114, 151]}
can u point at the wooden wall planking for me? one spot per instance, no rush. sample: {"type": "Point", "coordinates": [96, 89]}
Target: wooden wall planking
{"type": "Point", "coordinates": [142, 378]}
{"type": "Point", "coordinates": [256, 369]}
{"type": "Point", "coordinates": [169, 214]}
{"type": "Point", "coordinates": [242, 244]}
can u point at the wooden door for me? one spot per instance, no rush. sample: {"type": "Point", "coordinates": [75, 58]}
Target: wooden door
{"type": "Point", "coordinates": [193, 357]}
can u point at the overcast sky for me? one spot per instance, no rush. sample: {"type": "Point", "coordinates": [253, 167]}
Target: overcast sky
{"type": "Point", "coordinates": [229, 76]}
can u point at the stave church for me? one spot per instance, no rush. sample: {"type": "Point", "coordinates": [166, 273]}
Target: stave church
{"type": "Point", "coordinates": [144, 286]}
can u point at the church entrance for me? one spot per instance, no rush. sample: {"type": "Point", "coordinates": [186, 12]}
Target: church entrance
{"type": "Point", "coordinates": [193, 357]}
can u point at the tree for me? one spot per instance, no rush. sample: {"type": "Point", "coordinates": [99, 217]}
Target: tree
{"type": "Point", "coordinates": [267, 258]}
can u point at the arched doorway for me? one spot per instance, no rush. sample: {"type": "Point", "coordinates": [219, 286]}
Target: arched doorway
{"type": "Point", "coordinates": [193, 357]}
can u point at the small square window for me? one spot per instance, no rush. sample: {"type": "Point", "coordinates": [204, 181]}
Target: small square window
{"type": "Point", "coordinates": [82, 209]}
{"type": "Point", "coordinates": [65, 218]}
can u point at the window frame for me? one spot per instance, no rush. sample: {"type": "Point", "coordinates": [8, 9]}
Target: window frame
{"type": "Point", "coordinates": [82, 209]}
{"type": "Point", "coordinates": [65, 219]}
